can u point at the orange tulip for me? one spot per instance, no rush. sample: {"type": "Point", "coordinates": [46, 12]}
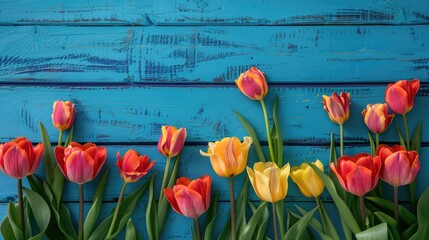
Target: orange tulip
{"type": "Point", "coordinates": [252, 83]}
{"type": "Point", "coordinates": [19, 158]}
{"type": "Point", "coordinates": [377, 118]}
{"type": "Point", "coordinates": [399, 167]}
{"type": "Point", "coordinates": [358, 174]}
{"type": "Point", "coordinates": [172, 140]}
{"type": "Point", "coordinates": [133, 166]}
{"type": "Point", "coordinates": [80, 163]}
{"type": "Point", "coordinates": [400, 95]}
{"type": "Point", "coordinates": [63, 115]}
{"type": "Point", "coordinates": [191, 198]}
{"type": "Point", "coordinates": [338, 107]}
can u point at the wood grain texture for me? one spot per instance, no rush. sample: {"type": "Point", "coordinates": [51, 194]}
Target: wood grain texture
{"type": "Point", "coordinates": [214, 54]}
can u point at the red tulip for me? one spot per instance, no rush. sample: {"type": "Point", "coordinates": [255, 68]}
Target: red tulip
{"type": "Point", "coordinates": [80, 163]}
{"type": "Point", "coordinates": [377, 118]}
{"type": "Point", "coordinates": [171, 141]}
{"type": "Point", "coordinates": [63, 115]}
{"type": "Point", "coordinates": [399, 167]}
{"type": "Point", "coordinates": [358, 174]}
{"type": "Point", "coordinates": [400, 95]}
{"type": "Point", "coordinates": [19, 158]}
{"type": "Point", "coordinates": [190, 198]}
{"type": "Point", "coordinates": [132, 166]}
{"type": "Point", "coordinates": [252, 83]}
{"type": "Point", "coordinates": [338, 107]}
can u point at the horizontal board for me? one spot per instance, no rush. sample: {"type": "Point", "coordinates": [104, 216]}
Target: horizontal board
{"type": "Point", "coordinates": [77, 12]}
{"type": "Point", "coordinates": [310, 54]}
{"type": "Point", "coordinates": [135, 114]}
{"type": "Point", "coordinates": [193, 165]}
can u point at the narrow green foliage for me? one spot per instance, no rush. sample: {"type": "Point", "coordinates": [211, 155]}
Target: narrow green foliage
{"type": "Point", "coordinates": [69, 138]}
{"type": "Point", "coordinates": [405, 216]}
{"type": "Point", "coordinates": [151, 215]}
{"type": "Point", "coordinates": [48, 156]}
{"type": "Point", "coordinates": [328, 226]}
{"type": "Point", "coordinates": [131, 233]}
{"type": "Point", "coordinates": [211, 217]}
{"type": "Point", "coordinates": [298, 229]}
{"type": "Point", "coordinates": [13, 215]}
{"type": "Point", "coordinates": [371, 144]}
{"type": "Point", "coordinates": [277, 136]}
{"type": "Point", "coordinates": [401, 139]}
{"type": "Point", "coordinates": [252, 133]}
{"type": "Point", "coordinates": [40, 210]}
{"type": "Point", "coordinates": [379, 232]}
{"type": "Point", "coordinates": [422, 217]}
{"type": "Point", "coordinates": [249, 229]}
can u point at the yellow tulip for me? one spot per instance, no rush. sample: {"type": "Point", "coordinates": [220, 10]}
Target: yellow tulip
{"type": "Point", "coordinates": [308, 181]}
{"type": "Point", "coordinates": [269, 181]}
{"type": "Point", "coordinates": [228, 156]}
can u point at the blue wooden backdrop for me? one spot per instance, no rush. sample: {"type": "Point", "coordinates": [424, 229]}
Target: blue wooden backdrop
{"type": "Point", "coordinates": [132, 66]}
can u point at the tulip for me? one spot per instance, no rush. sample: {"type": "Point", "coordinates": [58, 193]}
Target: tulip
{"type": "Point", "coordinates": [190, 198]}
{"type": "Point", "coordinates": [400, 95]}
{"type": "Point", "coordinates": [19, 158]}
{"type": "Point", "coordinates": [132, 166]}
{"type": "Point", "coordinates": [63, 115]}
{"type": "Point", "coordinates": [358, 174]}
{"type": "Point", "coordinates": [308, 181]}
{"type": "Point", "coordinates": [252, 83]}
{"type": "Point", "coordinates": [228, 156]}
{"type": "Point", "coordinates": [80, 163]}
{"type": "Point", "coordinates": [337, 107]}
{"type": "Point", "coordinates": [171, 142]}
{"type": "Point", "coordinates": [377, 118]}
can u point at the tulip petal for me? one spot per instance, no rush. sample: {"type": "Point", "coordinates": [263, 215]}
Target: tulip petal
{"type": "Point", "coordinates": [16, 162]}
{"type": "Point", "coordinates": [397, 98]}
{"type": "Point", "coordinates": [190, 203]}
{"type": "Point", "coordinates": [80, 167]}
{"type": "Point", "coordinates": [359, 181]}
{"type": "Point", "coordinates": [169, 195]}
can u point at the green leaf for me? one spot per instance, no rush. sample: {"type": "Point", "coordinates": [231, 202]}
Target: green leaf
{"type": "Point", "coordinates": [422, 217]}
{"type": "Point", "coordinates": [151, 216]}
{"type": "Point", "coordinates": [401, 139]}
{"type": "Point", "coordinates": [48, 155]}
{"type": "Point", "coordinates": [241, 206]}
{"type": "Point", "coordinates": [131, 233]}
{"type": "Point", "coordinates": [6, 229]}
{"type": "Point", "coordinates": [405, 216]}
{"type": "Point", "coordinates": [313, 223]}
{"type": "Point", "coordinates": [97, 202]}
{"type": "Point", "coordinates": [408, 233]}
{"type": "Point", "coordinates": [14, 221]}
{"type": "Point", "coordinates": [378, 232]}
{"type": "Point", "coordinates": [252, 133]}
{"type": "Point", "coordinates": [391, 223]}
{"type": "Point", "coordinates": [102, 229]}
{"type": "Point", "coordinates": [276, 135]}
{"type": "Point", "coordinates": [69, 137]}
{"type": "Point", "coordinates": [211, 217]}
{"type": "Point", "coordinates": [249, 229]}
{"type": "Point", "coordinates": [343, 210]}
{"type": "Point", "coordinates": [280, 215]}
{"type": "Point", "coordinates": [371, 144]}
{"type": "Point", "coordinates": [297, 230]}
{"type": "Point", "coordinates": [328, 226]}
{"type": "Point", "coordinates": [40, 210]}
{"type": "Point", "coordinates": [57, 186]}
{"type": "Point", "coordinates": [263, 223]}
{"type": "Point", "coordinates": [417, 138]}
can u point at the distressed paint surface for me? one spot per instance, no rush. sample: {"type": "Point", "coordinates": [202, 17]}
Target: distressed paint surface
{"type": "Point", "coordinates": [214, 54]}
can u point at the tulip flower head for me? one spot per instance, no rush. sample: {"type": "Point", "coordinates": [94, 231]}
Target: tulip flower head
{"type": "Point", "coordinates": [228, 156]}
{"type": "Point", "coordinates": [133, 166]}
{"type": "Point", "coordinates": [63, 115]}
{"type": "Point", "coordinates": [252, 83]}
{"type": "Point", "coordinates": [399, 166]}
{"type": "Point", "coordinates": [337, 106]}
{"type": "Point", "coordinates": [19, 158]}
{"type": "Point", "coordinates": [358, 174]}
{"type": "Point", "coordinates": [172, 140]}
{"type": "Point", "coordinates": [377, 118]}
{"type": "Point", "coordinates": [190, 198]}
{"type": "Point", "coordinates": [309, 183]}
{"type": "Point", "coordinates": [400, 95]}
{"type": "Point", "coordinates": [269, 181]}
{"type": "Point", "coordinates": [80, 163]}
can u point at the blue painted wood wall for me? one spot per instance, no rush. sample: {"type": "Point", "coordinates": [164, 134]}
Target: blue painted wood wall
{"type": "Point", "coordinates": [132, 66]}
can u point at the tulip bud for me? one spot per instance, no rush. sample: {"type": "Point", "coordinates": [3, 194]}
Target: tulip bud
{"type": "Point", "coordinates": [338, 107]}
{"type": "Point", "coordinates": [377, 118]}
{"type": "Point", "coordinates": [309, 183]}
{"type": "Point", "coordinates": [269, 181]}
{"type": "Point", "coordinates": [63, 115]}
{"type": "Point", "coordinates": [80, 163]}
{"type": "Point", "coordinates": [228, 156]}
{"type": "Point", "coordinates": [190, 198]}
{"type": "Point", "coordinates": [133, 166]}
{"type": "Point", "coordinates": [252, 83]}
{"type": "Point", "coordinates": [172, 140]}
{"type": "Point", "coordinates": [400, 95]}
{"type": "Point", "coordinates": [19, 158]}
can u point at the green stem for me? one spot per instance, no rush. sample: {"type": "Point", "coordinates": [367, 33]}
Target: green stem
{"type": "Point", "coordinates": [276, 231]}
{"type": "Point", "coordinates": [118, 205]}
{"type": "Point", "coordinates": [231, 196]}
{"type": "Point", "coordinates": [362, 210]}
{"type": "Point", "coordinates": [60, 138]}
{"type": "Point", "coordinates": [164, 179]}
{"type": "Point", "coordinates": [280, 212]}
{"type": "Point", "coordinates": [341, 140]}
{"type": "Point", "coordinates": [396, 204]}
{"type": "Point", "coordinates": [377, 140]}
{"type": "Point", "coordinates": [80, 228]}
{"type": "Point", "coordinates": [407, 135]}
{"type": "Point", "coordinates": [21, 205]}
{"type": "Point", "coordinates": [267, 128]}
{"type": "Point", "coordinates": [197, 228]}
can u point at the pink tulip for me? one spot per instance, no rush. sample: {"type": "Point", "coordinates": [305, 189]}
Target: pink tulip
{"type": "Point", "coordinates": [80, 163]}
{"type": "Point", "coordinates": [400, 95]}
{"type": "Point", "coordinates": [252, 83]}
{"type": "Point", "coordinates": [133, 166]}
{"type": "Point", "coordinates": [172, 140]}
{"type": "Point", "coordinates": [63, 115]}
{"type": "Point", "coordinates": [190, 198]}
{"type": "Point", "coordinates": [399, 167]}
{"type": "Point", "coordinates": [377, 118]}
{"type": "Point", "coordinates": [19, 158]}
{"type": "Point", "coordinates": [358, 174]}
{"type": "Point", "coordinates": [337, 106]}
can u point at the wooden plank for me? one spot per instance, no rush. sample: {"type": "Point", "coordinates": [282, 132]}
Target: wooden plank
{"type": "Point", "coordinates": [193, 165]}
{"type": "Point", "coordinates": [310, 54]}
{"type": "Point", "coordinates": [135, 114]}
{"type": "Point", "coordinates": [77, 12]}
{"type": "Point", "coordinates": [280, 12]}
